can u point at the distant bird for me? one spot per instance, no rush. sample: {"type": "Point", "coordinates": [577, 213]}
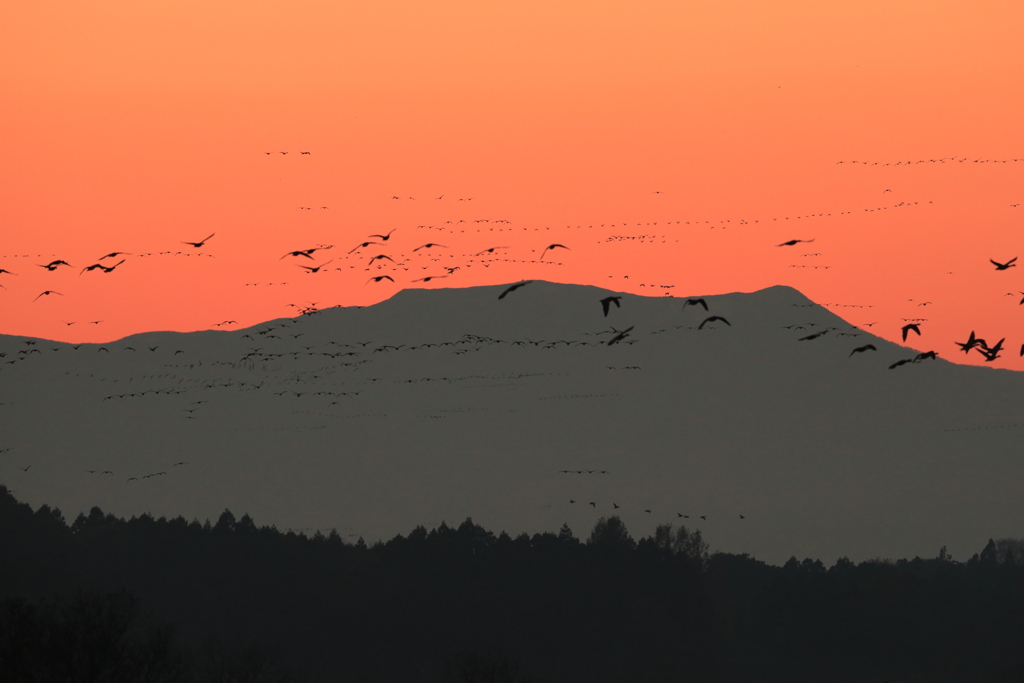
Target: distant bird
{"type": "Point", "coordinates": [114, 254]}
{"type": "Point", "coordinates": [742, 517]}
{"type": "Point", "coordinates": [429, 278]}
{"type": "Point", "coordinates": [926, 355]}
{"type": "Point", "coordinates": [792, 242]}
{"type": "Point", "coordinates": [862, 349]}
{"type": "Point", "coordinates": [704, 517]}
{"type": "Point", "coordinates": [379, 278]}
{"type": "Point", "coordinates": [593, 505]}
{"type": "Point", "coordinates": [514, 288]}
{"type": "Point", "coordinates": [551, 246]}
{"type": "Point", "coordinates": [54, 265]}
{"type": "Point", "coordinates": [313, 269]}
{"type": "Point", "coordinates": [429, 245]}
{"type": "Point", "coordinates": [1004, 266]}
{"type": "Point", "coordinates": [696, 302]}
{"type": "Point", "coordinates": [25, 469]}
{"type": "Point", "coordinates": [381, 256]}
{"type": "Point", "coordinates": [615, 506]}
{"type": "Point", "coordinates": [907, 328]}
{"type": "Point", "coordinates": [47, 293]}
{"type": "Point", "coordinates": [813, 336]}
{"type": "Point", "coordinates": [713, 319]}
{"type": "Point", "coordinates": [489, 251]}
{"type": "Point", "coordinates": [901, 362]}
{"type": "Point", "coordinates": [199, 244]}
{"type": "Point", "coordinates": [363, 245]}
{"type": "Point", "coordinates": [301, 252]}
{"type": "Point", "coordinates": [2, 271]}
{"type": "Point", "coordinates": [385, 237]}
{"type": "Point", "coordinates": [101, 267]}
{"type": "Point", "coordinates": [620, 336]}
{"type": "Point", "coordinates": [608, 301]}
{"type": "Point", "coordinates": [681, 515]}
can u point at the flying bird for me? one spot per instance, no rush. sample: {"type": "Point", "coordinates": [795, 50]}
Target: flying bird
{"type": "Point", "coordinates": [551, 246]}
{"type": "Point", "coordinates": [862, 349]}
{"type": "Point", "coordinates": [54, 265]}
{"type": "Point", "coordinates": [514, 288]}
{"type": "Point", "coordinates": [313, 269]}
{"type": "Point", "coordinates": [971, 343]}
{"type": "Point", "coordinates": [907, 328]}
{"type": "Point", "coordinates": [114, 254]}
{"type": "Point", "coordinates": [1004, 266]}
{"type": "Point", "coordinates": [381, 256]}
{"type": "Point", "coordinates": [301, 252]}
{"type": "Point", "coordinates": [385, 237]}
{"type": "Point", "coordinates": [489, 251]}
{"type": "Point", "coordinates": [713, 319]}
{"type": "Point", "coordinates": [696, 302]}
{"type": "Point", "coordinates": [101, 267]}
{"type": "Point", "coordinates": [2, 271]}
{"type": "Point", "coordinates": [47, 293]}
{"type": "Point", "coordinates": [429, 245]}
{"type": "Point", "coordinates": [379, 278]}
{"type": "Point", "coordinates": [792, 242]}
{"type": "Point", "coordinates": [199, 244]}
{"type": "Point", "coordinates": [429, 278]}
{"type": "Point", "coordinates": [606, 303]}
{"type": "Point", "coordinates": [364, 244]}
{"type": "Point", "coordinates": [620, 336]}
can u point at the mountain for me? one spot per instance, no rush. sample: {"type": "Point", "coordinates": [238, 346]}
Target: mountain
{"type": "Point", "coordinates": [824, 453]}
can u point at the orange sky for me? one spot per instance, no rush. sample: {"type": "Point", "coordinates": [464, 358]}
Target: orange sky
{"type": "Point", "coordinates": [133, 126]}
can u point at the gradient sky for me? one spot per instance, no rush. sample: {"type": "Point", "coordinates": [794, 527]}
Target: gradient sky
{"type": "Point", "coordinates": [705, 133]}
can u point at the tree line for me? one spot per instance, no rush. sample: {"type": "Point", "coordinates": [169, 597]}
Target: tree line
{"type": "Point", "coordinates": [461, 603]}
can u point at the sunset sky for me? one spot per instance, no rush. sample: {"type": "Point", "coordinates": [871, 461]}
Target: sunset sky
{"type": "Point", "coordinates": [669, 145]}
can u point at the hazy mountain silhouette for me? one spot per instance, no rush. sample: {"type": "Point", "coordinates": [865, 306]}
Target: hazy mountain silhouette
{"type": "Point", "coordinates": [823, 454]}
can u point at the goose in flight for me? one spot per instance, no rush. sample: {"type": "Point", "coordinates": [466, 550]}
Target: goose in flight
{"type": "Point", "coordinates": [489, 251]}
{"type": "Point", "coordinates": [514, 288]}
{"type": "Point", "coordinates": [429, 278]}
{"type": "Point", "coordinates": [381, 256]}
{"type": "Point", "coordinates": [792, 242]}
{"type": "Point", "coordinates": [713, 319]}
{"type": "Point", "coordinates": [54, 265]}
{"type": "Point", "coordinates": [1004, 266]}
{"type": "Point", "coordinates": [378, 278]}
{"type": "Point", "coordinates": [606, 303]}
{"type": "Point", "coordinates": [907, 328]}
{"type": "Point", "coordinates": [862, 349]}
{"type": "Point", "coordinates": [429, 245]}
{"type": "Point", "coordinates": [313, 269]}
{"type": "Point", "coordinates": [101, 267]}
{"type": "Point", "coordinates": [385, 237]}
{"type": "Point", "coordinates": [971, 342]}
{"type": "Point", "coordinates": [696, 302]}
{"type": "Point", "coordinates": [550, 247]}
{"type": "Point", "coordinates": [114, 254]}
{"type": "Point", "coordinates": [47, 293]}
{"type": "Point", "coordinates": [199, 244]}
{"type": "Point", "coordinates": [301, 252]}
{"type": "Point", "coordinates": [620, 336]}
{"type": "Point", "coordinates": [363, 245]}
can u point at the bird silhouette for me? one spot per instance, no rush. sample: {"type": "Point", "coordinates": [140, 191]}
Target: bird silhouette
{"type": "Point", "coordinates": [862, 349]}
{"type": "Point", "coordinates": [514, 288]}
{"type": "Point", "coordinates": [47, 293]}
{"type": "Point", "coordinates": [1004, 266]}
{"type": "Point", "coordinates": [114, 254]}
{"type": "Point", "coordinates": [385, 237]}
{"type": "Point", "coordinates": [363, 245]}
{"type": "Point", "coordinates": [301, 252]}
{"type": "Point", "coordinates": [313, 269]}
{"type": "Point", "coordinates": [608, 301]}
{"type": "Point", "coordinates": [54, 265]}
{"type": "Point", "coordinates": [429, 245]}
{"type": "Point", "coordinates": [489, 251]}
{"type": "Point", "coordinates": [620, 336]}
{"type": "Point", "coordinates": [551, 246]}
{"type": "Point", "coordinates": [971, 342]}
{"type": "Point", "coordinates": [907, 328]}
{"type": "Point", "coordinates": [101, 267]}
{"type": "Point", "coordinates": [713, 319]}
{"type": "Point", "coordinates": [792, 242]}
{"type": "Point", "coordinates": [199, 244]}
{"type": "Point", "coordinates": [696, 302]}
{"type": "Point", "coordinates": [429, 278]}
{"type": "Point", "coordinates": [378, 278]}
